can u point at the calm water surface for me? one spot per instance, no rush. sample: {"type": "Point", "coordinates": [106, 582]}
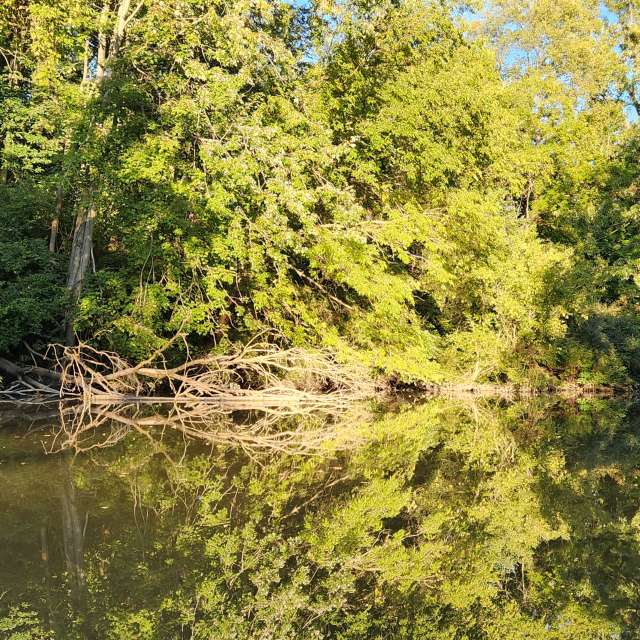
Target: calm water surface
{"type": "Point", "coordinates": [435, 520]}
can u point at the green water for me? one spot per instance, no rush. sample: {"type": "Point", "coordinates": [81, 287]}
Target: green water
{"type": "Point", "coordinates": [435, 520]}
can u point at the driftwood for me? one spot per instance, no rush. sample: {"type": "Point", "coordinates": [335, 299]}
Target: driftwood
{"type": "Point", "coordinates": [260, 397]}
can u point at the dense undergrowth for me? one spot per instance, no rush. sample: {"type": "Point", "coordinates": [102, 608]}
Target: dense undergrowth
{"type": "Point", "coordinates": [437, 195]}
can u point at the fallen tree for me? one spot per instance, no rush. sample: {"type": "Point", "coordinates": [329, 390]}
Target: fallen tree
{"type": "Point", "coordinates": [257, 375]}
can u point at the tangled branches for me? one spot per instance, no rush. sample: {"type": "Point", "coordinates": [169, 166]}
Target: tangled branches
{"type": "Point", "coordinates": [83, 428]}
{"type": "Point", "coordinates": [286, 398]}
{"type": "Point", "coordinates": [255, 376]}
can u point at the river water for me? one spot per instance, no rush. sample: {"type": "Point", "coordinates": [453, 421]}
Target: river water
{"type": "Point", "coordinates": [457, 520]}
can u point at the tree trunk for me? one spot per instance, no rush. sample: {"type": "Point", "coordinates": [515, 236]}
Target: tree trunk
{"type": "Point", "coordinates": [118, 31]}
{"type": "Point", "coordinates": [82, 246]}
{"type": "Point", "coordinates": [103, 43]}
{"type": "Point", "coordinates": [73, 537]}
{"type": "Point", "coordinates": [81, 249]}
{"type": "Point", "coordinates": [85, 65]}
{"type": "Point", "coordinates": [73, 533]}
{"type": "Point", "coordinates": [80, 258]}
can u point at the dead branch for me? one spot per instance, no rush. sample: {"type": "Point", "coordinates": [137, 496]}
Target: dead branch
{"type": "Point", "coordinates": [254, 376]}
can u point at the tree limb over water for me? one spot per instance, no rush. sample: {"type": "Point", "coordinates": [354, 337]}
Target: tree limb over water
{"type": "Point", "coordinates": [257, 375]}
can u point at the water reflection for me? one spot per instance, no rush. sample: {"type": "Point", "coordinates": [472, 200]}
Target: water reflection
{"type": "Point", "coordinates": [423, 520]}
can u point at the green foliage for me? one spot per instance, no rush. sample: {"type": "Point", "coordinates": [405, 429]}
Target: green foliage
{"type": "Point", "coordinates": [22, 623]}
{"type": "Point", "coordinates": [32, 294]}
{"type": "Point", "coordinates": [436, 198]}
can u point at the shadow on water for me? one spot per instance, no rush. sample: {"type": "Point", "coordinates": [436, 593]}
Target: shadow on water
{"type": "Point", "coordinates": [441, 519]}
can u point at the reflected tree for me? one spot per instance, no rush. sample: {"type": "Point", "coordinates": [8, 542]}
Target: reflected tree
{"type": "Point", "coordinates": [478, 520]}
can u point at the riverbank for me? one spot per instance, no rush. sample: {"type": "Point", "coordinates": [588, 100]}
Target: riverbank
{"type": "Point", "coordinates": [256, 376]}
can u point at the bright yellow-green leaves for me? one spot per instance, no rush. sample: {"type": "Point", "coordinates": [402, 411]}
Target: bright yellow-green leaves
{"type": "Point", "coordinates": [438, 200]}
{"type": "Point", "coordinates": [556, 42]}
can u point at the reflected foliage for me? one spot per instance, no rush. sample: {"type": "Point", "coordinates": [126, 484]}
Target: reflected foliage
{"type": "Point", "coordinates": [444, 520]}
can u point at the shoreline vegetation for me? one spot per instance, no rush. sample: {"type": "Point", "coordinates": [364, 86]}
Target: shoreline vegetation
{"type": "Point", "coordinates": [330, 410]}
{"type": "Point", "coordinates": [391, 194]}
{"type": "Point", "coordinates": [256, 375]}
{"type": "Point", "coordinates": [259, 375]}
{"type": "Point", "coordinates": [279, 419]}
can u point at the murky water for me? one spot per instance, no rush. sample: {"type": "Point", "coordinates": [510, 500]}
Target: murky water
{"type": "Point", "coordinates": [456, 520]}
